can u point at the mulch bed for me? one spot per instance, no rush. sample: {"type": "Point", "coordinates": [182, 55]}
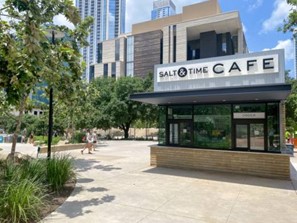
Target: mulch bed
{"type": "Point", "coordinates": [55, 200]}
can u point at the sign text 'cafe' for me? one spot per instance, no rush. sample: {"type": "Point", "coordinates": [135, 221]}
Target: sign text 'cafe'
{"type": "Point", "coordinates": [222, 68]}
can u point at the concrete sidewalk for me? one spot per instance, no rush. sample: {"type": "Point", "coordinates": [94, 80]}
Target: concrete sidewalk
{"type": "Point", "coordinates": [116, 184]}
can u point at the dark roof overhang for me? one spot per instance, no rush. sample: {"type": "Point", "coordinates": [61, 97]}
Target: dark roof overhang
{"type": "Point", "coordinates": [275, 92]}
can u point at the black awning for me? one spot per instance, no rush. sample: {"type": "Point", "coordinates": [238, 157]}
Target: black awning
{"type": "Point", "coordinates": [216, 95]}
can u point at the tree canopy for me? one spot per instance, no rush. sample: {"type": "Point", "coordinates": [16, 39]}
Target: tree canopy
{"type": "Point", "coordinates": [291, 21]}
{"type": "Point", "coordinates": [111, 106]}
{"type": "Point", "coordinates": [29, 57]}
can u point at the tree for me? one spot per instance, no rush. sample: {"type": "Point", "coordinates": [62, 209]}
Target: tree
{"type": "Point", "coordinates": [291, 104]}
{"type": "Point", "coordinates": [291, 22]}
{"type": "Point", "coordinates": [112, 105]}
{"type": "Point", "coordinates": [27, 57]}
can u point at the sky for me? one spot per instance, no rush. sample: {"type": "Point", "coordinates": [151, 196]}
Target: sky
{"type": "Point", "coordinates": [260, 19]}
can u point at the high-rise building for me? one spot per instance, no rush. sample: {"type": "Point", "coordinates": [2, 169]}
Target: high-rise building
{"type": "Point", "coordinates": [162, 8]}
{"type": "Point", "coordinates": [295, 52]}
{"type": "Point", "coordinates": [201, 31]}
{"type": "Point", "coordinates": [109, 23]}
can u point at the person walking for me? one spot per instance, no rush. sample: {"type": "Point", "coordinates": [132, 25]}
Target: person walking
{"type": "Point", "coordinates": [24, 134]}
{"type": "Point", "coordinates": [89, 143]}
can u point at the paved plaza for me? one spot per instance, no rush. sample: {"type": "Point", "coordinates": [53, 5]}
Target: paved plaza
{"type": "Point", "coordinates": [117, 184]}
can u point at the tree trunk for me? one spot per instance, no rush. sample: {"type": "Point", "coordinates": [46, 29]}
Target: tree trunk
{"type": "Point", "coordinates": [126, 132]}
{"type": "Point", "coordinates": [18, 126]}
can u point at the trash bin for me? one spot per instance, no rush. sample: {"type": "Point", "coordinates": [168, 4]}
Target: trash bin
{"type": "Point", "coordinates": [1, 139]}
{"type": "Point", "coordinates": [289, 149]}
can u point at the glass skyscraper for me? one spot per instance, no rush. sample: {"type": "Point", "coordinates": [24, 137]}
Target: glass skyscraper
{"type": "Point", "coordinates": [109, 23]}
{"type": "Point", "coordinates": [295, 52]}
{"type": "Point", "coordinates": [162, 8]}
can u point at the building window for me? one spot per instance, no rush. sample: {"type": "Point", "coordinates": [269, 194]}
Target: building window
{"type": "Point", "coordinates": [92, 73]}
{"type": "Point", "coordinates": [100, 53]}
{"type": "Point", "coordinates": [162, 125]}
{"type": "Point", "coordinates": [130, 56]}
{"type": "Point", "coordinates": [117, 50]}
{"type": "Point", "coordinates": [235, 43]}
{"type": "Point", "coordinates": [273, 127]}
{"type": "Point", "coordinates": [113, 70]}
{"type": "Point", "coordinates": [224, 43]}
{"type": "Point", "coordinates": [245, 108]}
{"type": "Point", "coordinates": [180, 112]}
{"type": "Point", "coordinates": [161, 51]}
{"type": "Point", "coordinates": [212, 126]}
{"type": "Point", "coordinates": [105, 70]}
{"type": "Point", "coordinates": [174, 43]}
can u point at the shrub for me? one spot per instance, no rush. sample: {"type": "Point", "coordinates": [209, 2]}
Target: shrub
{"type": "Point", "coordinates": [77, 138]}
{"type": "Point", "coordinates": [34, 170]}
{"type": "Point", "coordinates": [10, 171]}
{"type": "Point", "coordinates": [23, 186]}
{"type": "Point", "coordinates": [43, 139]}
{"type": "Point", "coordinates": [59, 171]}
{"type": "Point", "coordinates": [21, 200]}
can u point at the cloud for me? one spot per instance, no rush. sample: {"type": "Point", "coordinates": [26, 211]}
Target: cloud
{"type": "Point", "coordinates": [255, 5]}
{"type": "Point", "coordinates": [279, 13]}
{"type": "Point", "coordinates": [287, 45]}
{"type": "Point", "coordinates": [61, 20]}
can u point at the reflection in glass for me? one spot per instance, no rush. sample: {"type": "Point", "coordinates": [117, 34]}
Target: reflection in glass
{"type": "Point", "coordinates": [259, 107]}
{"type": "Point", "coordinates": [257, 136]}
{"type": "Point", "coordinates": [273, 127]}
{"type": "Point", "coordinates": [241, 136]}
{"type": "Point", "coordinates": [212, 126]}
{"type": "Point", "coordinates": [173, 133]}
{"type": "Point", "coordinates": [185, 134]}
{"type": "Point", "coordinates": [162, 125]}
{"type": "Point", "coordinates": [180, 112]}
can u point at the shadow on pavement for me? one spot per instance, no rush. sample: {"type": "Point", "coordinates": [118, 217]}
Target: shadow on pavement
{"type": "Point", "coordinates": [79, 189]}
{"type": "Point", "coordinates": [82, 165]}
{"type": "Point", "coordinates": [74, 209]}
{"type": "Point", "coordinates": [225, 177]}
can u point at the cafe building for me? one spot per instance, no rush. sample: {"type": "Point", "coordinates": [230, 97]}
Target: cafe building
{"type": "Point", "coordinates": [222, 113]}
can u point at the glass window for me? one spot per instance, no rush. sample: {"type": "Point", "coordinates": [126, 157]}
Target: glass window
{"type": "Point", "coordinates": [117, 50]}
{"type": "Point", "coordinates": [105, 70]}
{"type": "Point", "coordinates": [111, 19]}
{"type": "Point", "coordinates": [249, 108]}
{"type": "Point", "coordinates": [130, 69]}
{"type": "Point", "coordinates": [100, 52]}
{"type": "Point", "coordinates": [273, 127]}
{"type": "Point", "coordinates": [162, 125]}
{"type": "Point", "coordinates": [180, 112]}
{"type": "Point", "coordinates": [130, 49]}
{"type": "Point", "coordinates": [212, 126]}
{"type": "Point", "coordinates": [113, 70]}
{"type": "Point", "coordinates": [92, 73]}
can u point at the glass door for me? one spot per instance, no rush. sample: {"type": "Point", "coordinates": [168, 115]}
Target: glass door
{"type": "Point", "coordinates": [249, 135]}
{"type": "Point", "coordinates": [257, 136]}
{"type": "Point", "coordinates": [241, 136]}
{"type": "Point", "coordinates": [180, 133]}
{"type": "Point", "coordinates": [173, 134]}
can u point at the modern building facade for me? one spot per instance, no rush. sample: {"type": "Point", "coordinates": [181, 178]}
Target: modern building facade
{"type": "Point", "coordinates": [295, 52]}
{"type": "Point", "coordinates": [109, 23]}
{"type": "Point", "coordinates": [162, 8]}
{"type": "Point", "coordinates": [200, 31]}
{"type": "Point", "coordinates": [111, 58]}
{"type": "Point", "coordinates": [231, 108]}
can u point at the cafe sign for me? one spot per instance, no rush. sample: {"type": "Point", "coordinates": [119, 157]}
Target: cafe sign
{"type": "Point", "coordinates": [218, 67]}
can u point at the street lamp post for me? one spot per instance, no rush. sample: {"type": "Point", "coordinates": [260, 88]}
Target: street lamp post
{"type": "Point", "coordinates": [53, 34]}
